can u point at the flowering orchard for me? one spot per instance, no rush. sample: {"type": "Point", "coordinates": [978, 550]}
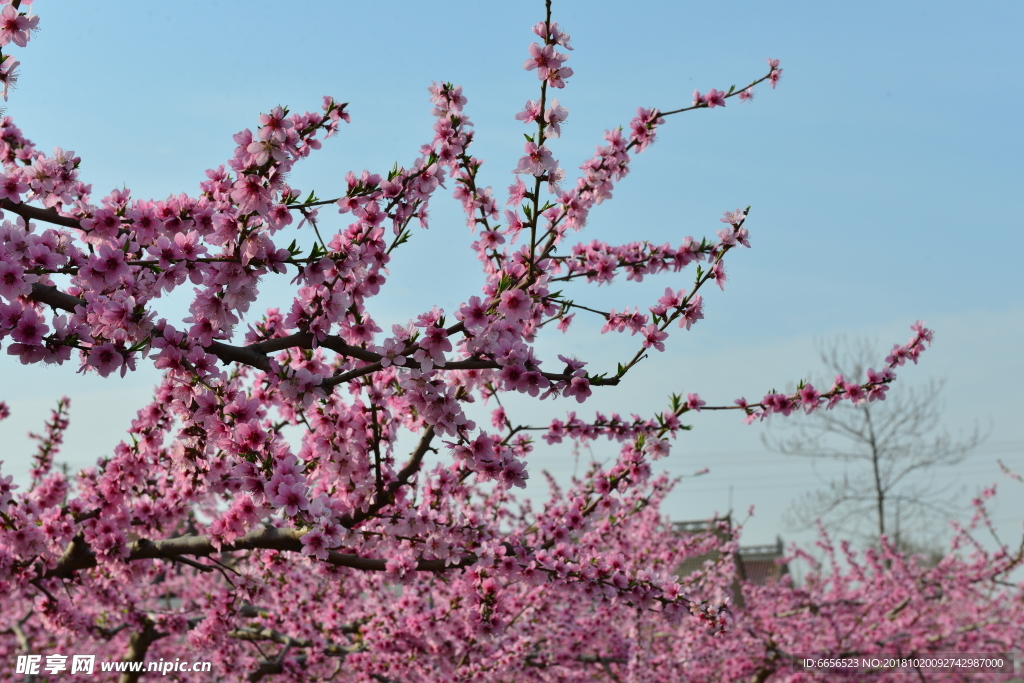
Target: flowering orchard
{"type": "Point", "coordinates": [261, 513]}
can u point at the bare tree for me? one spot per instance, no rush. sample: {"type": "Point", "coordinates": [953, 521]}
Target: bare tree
{"type": "Point", "coordinates": [892, 450]}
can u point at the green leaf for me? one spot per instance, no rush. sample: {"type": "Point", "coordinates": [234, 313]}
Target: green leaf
{"type": "Point", "coordinates": [504, 283]}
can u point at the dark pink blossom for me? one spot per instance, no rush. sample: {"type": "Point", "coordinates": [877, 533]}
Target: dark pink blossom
{"type": "Point", "coordinates": [714, 98]}
{"type": "Point", "coordinates": [654, 337]}
{"type": "Point", "coordinates": [251, 195]}
{"type": "Point", "coordinates": [776, 72]}
{"type": "Point", "coordinates": [12, 281]}
{"type": "Point", "coordinates": [105, 358]}
{"type": "Point", "coordinates": [544, 60]}
{"type": "Point", "coordinates": [16, 27]}
{"type": "Point", "coordinates": [514, 304]}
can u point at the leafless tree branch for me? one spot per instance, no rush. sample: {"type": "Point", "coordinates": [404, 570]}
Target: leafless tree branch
{"type": "Point", "coordinates": [894, 446]}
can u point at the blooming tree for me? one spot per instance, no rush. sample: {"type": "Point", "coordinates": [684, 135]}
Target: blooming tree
{"type": "Point", "coordinates": [261, 512]}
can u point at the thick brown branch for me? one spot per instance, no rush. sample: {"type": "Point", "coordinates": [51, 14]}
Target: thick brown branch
{"type": "Point", "coordinates": [80, 556]}
{"type": "Point", "coordinates": [271, 668]}
{"type": "Point", "coordinates": [138, 645]}
{"type": "Point", "coordinates": [34, 213]}
{"type": "Point", "coordinates": [51, 296]}
{"type": "Point", "coordinates": [255, 355]}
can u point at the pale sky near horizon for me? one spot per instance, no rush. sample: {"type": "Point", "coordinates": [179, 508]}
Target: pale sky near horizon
{"type": "Point", "coordinates": [883, 173]}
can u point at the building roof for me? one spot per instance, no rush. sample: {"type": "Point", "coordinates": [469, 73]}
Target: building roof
{"type": "Point", "coordinates": [757, 564]}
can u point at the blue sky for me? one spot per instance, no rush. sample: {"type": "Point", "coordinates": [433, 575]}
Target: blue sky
{"type": "Point", "coordinates": [884, 175]}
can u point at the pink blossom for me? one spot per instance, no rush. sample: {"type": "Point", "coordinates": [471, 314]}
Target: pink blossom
{"type": "Point", "coordinates": [809, 398]}
{"type": "Point", "coordinates": [473, 313]}
{"type": "Point", "coordinates": [545, 60]}
{"type": "Point", "coordinates": [854, 392]}
{"type": "Point", "coordinates": [30, 329]}
{"type": "Point", "coordinates": [777, 403]}
{"type": "Point", "coordinates": [734, 218]}
{"type": "Point", "coordinates": [105, 358]}
{"type": "Point", "coordinates": [8, 77]}
{"type": "Point", "coordinates": [718, 273]}
{"type": "Point", "coordinates": [15, 27]}
{"type": "Point", "coordinates": [12, 281]}
{"type": "Point", "coordinates": [536, 161]}
{"type": "Point", "coordinates": [714, 98]}
{"type": "Point", "coordinates": [578, 387]}
{"type": "Point", "coordinates": [291, 497]}
{"type": "Point", "coordinates": [516, 192]}
{"type": "Point", "coordinates": [654, 337]}
{"type": "Point", "coordinates": [776, 72]}
{"type": "Point", "coordinates": [693, 312]}
{"type": "Point", "coordinates": [515, 304]}
{"type": "Point", "coordinates": [531, 112]}
{"type": "Point", "coordinates": [6, 488]}
{"type": "Point", "coordinates": [251, 195]}
{"type": "Point", "coordinates": [551, 33]}
{"type": "Point", "coordinates": [315, 543]}
{"type": "Point", "coordinates": [13, 185]}
{"type": "Point", "coordinates": [555, 115]}
{"type": "Point", "coordinates": [391, 352]}
{"type": "Point", "coordinates": [274, 126]}
{"type": "Point", "coordinates": [436, 343]}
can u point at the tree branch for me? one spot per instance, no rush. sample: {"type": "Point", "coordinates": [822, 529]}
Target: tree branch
{"type": "Point", "coordinates": [51, 296]}
{"type": "Point", "coordinates": [387, 496]}
{"type": "Point", "coordinates": [253, 634]}
{"type": "Point", "coordinates": [79, 555]}
{"type": "Point", "coordinates": [138, 645]}
{"type": "Point", "coordinates": [33, 213]}
{"type": "Point", "coordinates": [255, 355]}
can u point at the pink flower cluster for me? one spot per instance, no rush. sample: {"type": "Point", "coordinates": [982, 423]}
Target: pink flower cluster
{"type": "Point", "coordinates": [263, 505]}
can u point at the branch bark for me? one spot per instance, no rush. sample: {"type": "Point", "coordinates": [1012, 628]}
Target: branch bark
{"type": "Point", "coordinates": [256, 355]}
{"type": "Point", "coordinates": [34, 213]}
{"type": "Point", "coordinates": [138, 645]}
{"type": "Point", "coordinates": [79, 555]}
{"type": "Point", "coordinates": [253, 634]}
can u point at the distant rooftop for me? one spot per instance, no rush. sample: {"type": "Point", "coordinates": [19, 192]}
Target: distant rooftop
{"type": "Point", "coordinates": [757, 563]}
